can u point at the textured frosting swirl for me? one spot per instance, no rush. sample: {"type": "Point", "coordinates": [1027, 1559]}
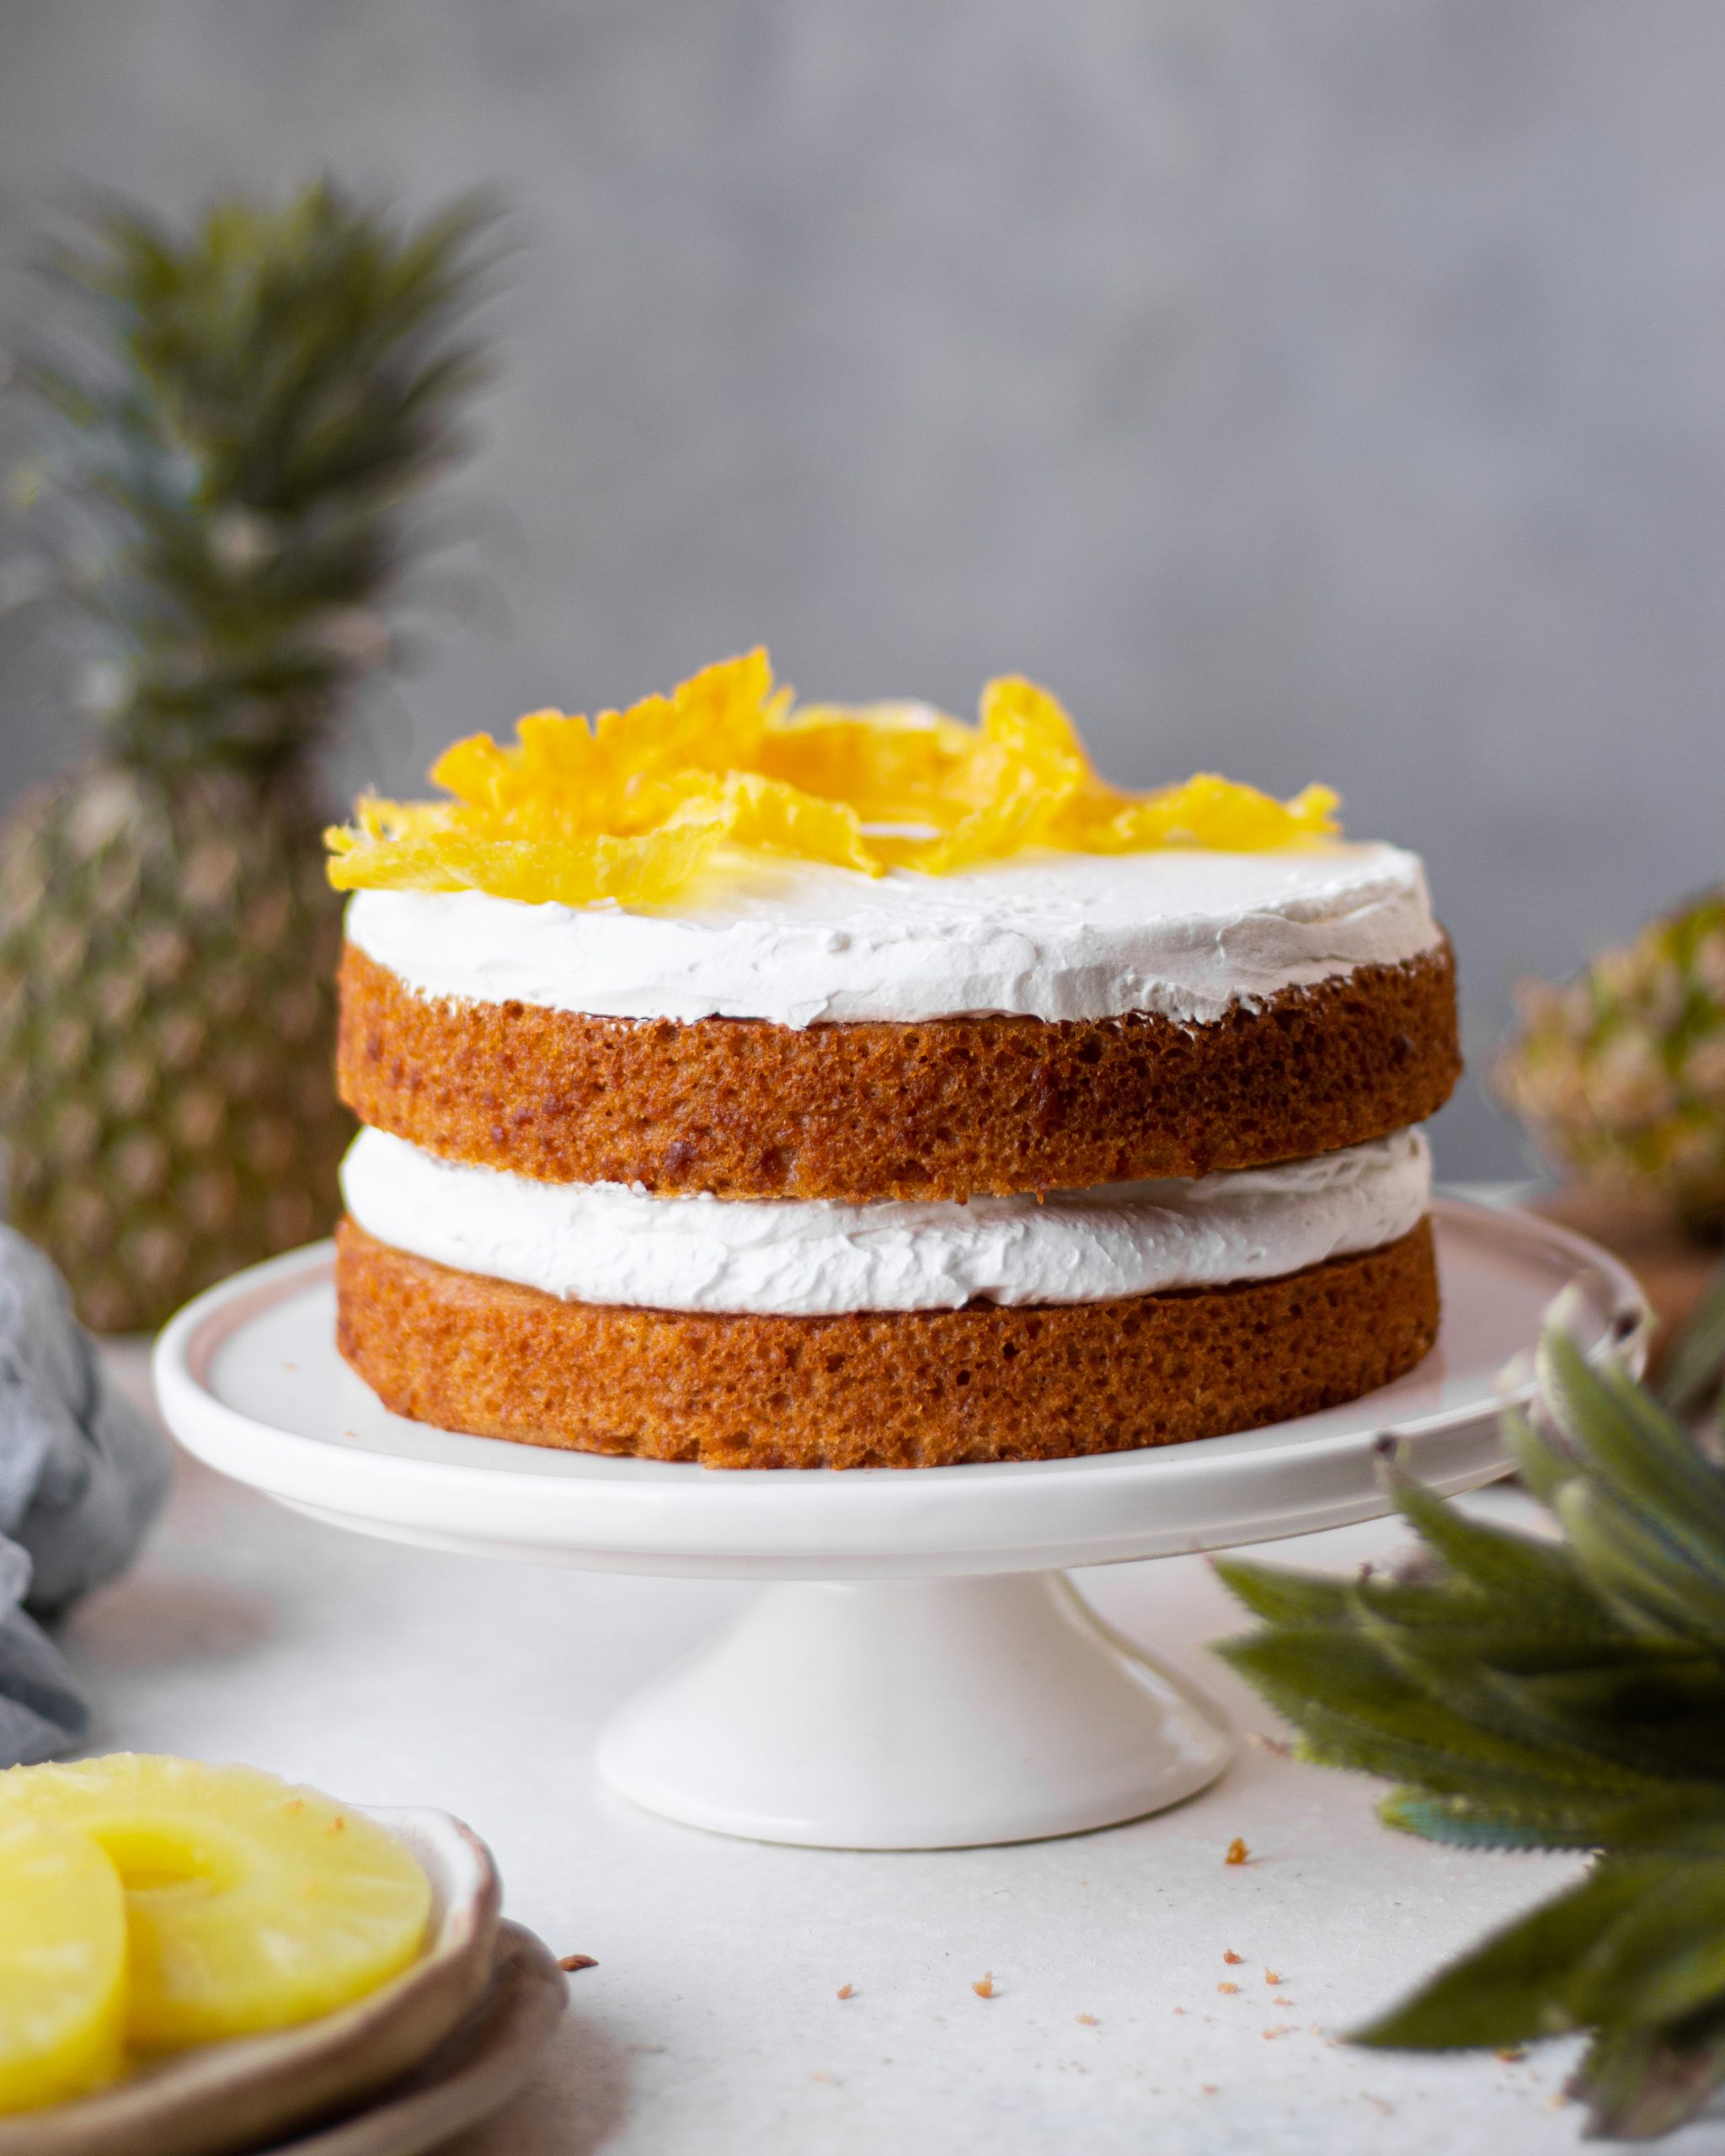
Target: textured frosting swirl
{"type": "Point", "coordinates": [607, 1243]}
{"type": "Point", "coordinates": [1183, 932]}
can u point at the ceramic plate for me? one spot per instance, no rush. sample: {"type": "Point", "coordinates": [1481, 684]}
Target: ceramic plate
{"type": "Point", "coordinates": [470, 2075]}
{"type": "Point", "coordinates": [223, 2097]}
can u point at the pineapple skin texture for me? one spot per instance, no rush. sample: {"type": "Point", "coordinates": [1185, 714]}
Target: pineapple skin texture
{"type": "Point", "coordinates": [1619, 1075]}
{"type": "Point", "coordinates": [167, 952]}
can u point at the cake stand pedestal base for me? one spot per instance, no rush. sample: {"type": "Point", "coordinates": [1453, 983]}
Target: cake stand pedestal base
{"type": "Point", "coordinates": [917, 1674]}
{"type": "Point", "coordinates": [914, 1714]}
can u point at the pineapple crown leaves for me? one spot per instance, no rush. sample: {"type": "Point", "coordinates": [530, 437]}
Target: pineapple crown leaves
{"type": "Point", "coordinates": [249, 412]}
{"type": "Point", "coordinates": [1529, 1693]}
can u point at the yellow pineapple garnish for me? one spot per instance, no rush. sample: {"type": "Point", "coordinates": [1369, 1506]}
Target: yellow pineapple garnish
{"type": "Point", "coordinates": [249, 1904]}
{"type": "Point", "coordinates": [632, 806]}
{"type": "Point", "coordinates": [63, 1965]}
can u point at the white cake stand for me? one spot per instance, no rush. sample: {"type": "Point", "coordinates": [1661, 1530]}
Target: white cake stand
{"type": "Point", "coordinates": [922, 1675]}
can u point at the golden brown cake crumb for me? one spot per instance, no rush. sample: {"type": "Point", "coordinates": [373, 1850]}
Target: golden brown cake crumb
{"type": "Point", "coordinates": [941, 1109]}
{"type": "Point", "coordinates": [879, 1388]}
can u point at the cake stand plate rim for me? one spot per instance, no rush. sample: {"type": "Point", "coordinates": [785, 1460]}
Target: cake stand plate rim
{"type": "Point", "coordinates": [578, 1509]}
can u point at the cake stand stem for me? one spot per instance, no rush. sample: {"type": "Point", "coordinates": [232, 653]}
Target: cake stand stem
{"type": "Point", "coordinates": [919, 1714]}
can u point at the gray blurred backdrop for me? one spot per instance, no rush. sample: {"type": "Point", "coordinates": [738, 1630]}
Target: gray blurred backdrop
{"type": "Point", "coordinates": [1306, 388]}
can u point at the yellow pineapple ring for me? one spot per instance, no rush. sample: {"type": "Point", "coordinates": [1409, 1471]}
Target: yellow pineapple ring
{"type": "Point", "coordinates": [250, 1904]}
{"type": "Point", "coordinates": [63, 1965]}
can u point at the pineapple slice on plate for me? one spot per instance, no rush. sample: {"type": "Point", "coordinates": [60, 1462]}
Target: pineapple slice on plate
{"type": "Point", "coordinates": [250, 1904]}
{"type": "Point", "coordinates": [63, 1965]}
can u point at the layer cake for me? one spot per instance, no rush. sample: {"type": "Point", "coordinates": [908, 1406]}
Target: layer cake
{"type": "Point", "coordinates": [903, 1159]}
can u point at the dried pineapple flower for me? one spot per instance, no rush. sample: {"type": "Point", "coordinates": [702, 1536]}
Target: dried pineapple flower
{"type": "Point", "coordinates": [631, 807]}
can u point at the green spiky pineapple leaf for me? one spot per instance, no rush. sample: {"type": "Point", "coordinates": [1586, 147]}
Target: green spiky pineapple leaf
{"type": "Point", "coordinates": [1530, 1693]}
{"type": "Point", "coordinates": [251, 409]}
{"type": "Point", "coordinates": [1696, 1362]}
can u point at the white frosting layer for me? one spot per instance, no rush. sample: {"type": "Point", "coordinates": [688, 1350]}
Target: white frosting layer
{"type": "Point", "coordinates": [1056, 935]}
{"type": "Point", "coordinates": [604, 1243]}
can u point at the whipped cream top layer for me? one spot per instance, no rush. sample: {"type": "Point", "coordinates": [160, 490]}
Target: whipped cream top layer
{"type": "Point", "coordinates": [607, 1243]}
{"type": "Point", "coordinates": [1183, 932]}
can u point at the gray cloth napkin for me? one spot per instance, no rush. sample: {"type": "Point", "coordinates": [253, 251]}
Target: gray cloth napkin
{"type": "Point", "coordinates": [82, 1473]}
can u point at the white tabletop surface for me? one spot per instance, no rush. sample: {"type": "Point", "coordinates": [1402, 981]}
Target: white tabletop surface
{"type": "Point", "coordinates": [391, 1675]}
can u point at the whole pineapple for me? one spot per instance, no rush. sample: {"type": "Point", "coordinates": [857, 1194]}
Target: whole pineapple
{"type": "Point", "coordinates": [264, 396]}
{"type": "Point", "coordinates": [1619, 1075]}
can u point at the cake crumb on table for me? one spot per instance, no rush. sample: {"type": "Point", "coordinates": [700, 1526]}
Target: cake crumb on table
{"type": "Point", "coordinates": [847, 1991]}
{"type": "Point", "coordinates": [984, 1985]}
{"type": "Point", "coordinates": [1230, 1957]}
{"type": "Point", "coordinates": [1089, 2020]}
{"type": "Point", "coordinates": [1227, 1987]}
{"type": "Point", "coordinates": [1271, 1978]}
{"type": "Point", "coordinates": [1238, 1852]}
{"type": "Point", "coordinates": [568, 1963]}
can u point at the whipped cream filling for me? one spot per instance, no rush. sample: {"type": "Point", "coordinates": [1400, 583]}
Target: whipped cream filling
{"type": "Point", "coordinates": [1185, 932]}
{"type": "Point", "coordinates": [608, 1243]}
